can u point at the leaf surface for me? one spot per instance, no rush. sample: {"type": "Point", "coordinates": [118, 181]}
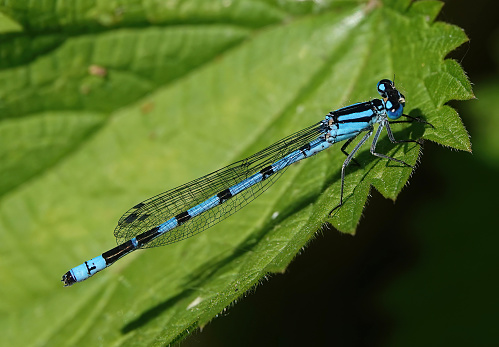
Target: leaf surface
{"type": "Point", "coordinates": [104, 104]}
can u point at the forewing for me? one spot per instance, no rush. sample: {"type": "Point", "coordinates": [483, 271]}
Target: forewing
{"type": "Point", "coordinates": [160, 208]}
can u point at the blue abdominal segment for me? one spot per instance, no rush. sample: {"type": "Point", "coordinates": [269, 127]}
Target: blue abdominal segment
{"type": "Point", "coordinates": [196, 206]}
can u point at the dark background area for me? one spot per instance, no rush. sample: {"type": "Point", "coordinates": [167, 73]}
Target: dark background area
{"type": "Point", "coordinates": [421, 271]}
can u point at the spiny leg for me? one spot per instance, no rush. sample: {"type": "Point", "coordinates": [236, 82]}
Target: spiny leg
{"type": "Point", "coordinates": [347, 161]}
{"type": "Point", "coordinates": [392, 139]}
{"type": "Point", "coordinates": [373, 152]}
{"type": "Point", "coordinates": [412, 120]}
{"type": "Point", "coordinates": [346, 144]}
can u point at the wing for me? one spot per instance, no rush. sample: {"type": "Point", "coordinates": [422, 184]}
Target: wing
{"type": "Point", "coordinates": [160, 208]}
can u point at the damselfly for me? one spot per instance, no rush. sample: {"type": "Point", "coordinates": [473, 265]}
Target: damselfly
{"type": "Point", "coordinates": [195, 206]}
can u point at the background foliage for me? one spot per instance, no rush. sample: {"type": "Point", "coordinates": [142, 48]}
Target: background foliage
{"type": "Point", "coordinates": [422, 274]}
{"type": "Point", "coordinates": [89, 81]}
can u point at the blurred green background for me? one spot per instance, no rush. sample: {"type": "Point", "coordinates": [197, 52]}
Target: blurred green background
{"type": "Point", "coordinates": [420, 272]}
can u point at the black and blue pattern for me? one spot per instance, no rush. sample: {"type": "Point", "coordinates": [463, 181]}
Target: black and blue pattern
{"type": "Point", "coordinates": [191, 208]}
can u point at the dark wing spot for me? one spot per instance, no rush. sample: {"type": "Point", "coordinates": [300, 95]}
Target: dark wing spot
{"type": "Point", "coordinates": [131, 218]}
{"type": "Point", "coordinates": [144, 216]}
{"type": "Point", "coordinates": [139, 205]}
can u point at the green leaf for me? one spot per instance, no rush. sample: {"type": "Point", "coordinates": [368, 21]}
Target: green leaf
{"type": "Point", "coordinates": [438, 279]}
{"type": "Point", "coordinates": [105, 104]}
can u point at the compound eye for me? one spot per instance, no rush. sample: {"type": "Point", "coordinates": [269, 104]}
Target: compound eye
{"type": "Point", "coordinates": [394, 111]}
{"type": "Point", "coordinates": [384, 87]}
